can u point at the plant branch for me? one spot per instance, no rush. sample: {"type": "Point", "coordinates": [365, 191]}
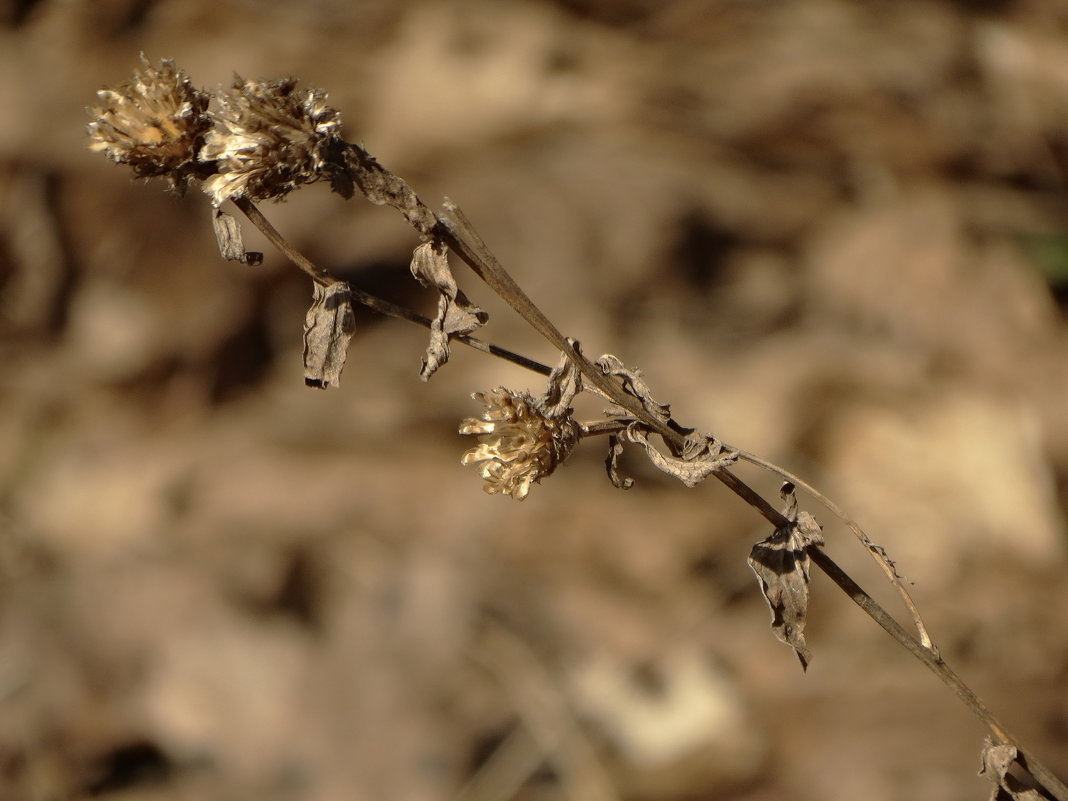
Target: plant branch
{"type": "Point", "coordinates": [323, 276]}
{"type": "Point", "coordinates": [461, 237]}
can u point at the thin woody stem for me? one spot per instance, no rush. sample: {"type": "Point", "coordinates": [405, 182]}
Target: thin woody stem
{"type": "Point", "coordinates": [323, 276]}
{"type": "Point", "coordinates": [464, 240]}
{"type": "Point", "coordinates": [255, 216]}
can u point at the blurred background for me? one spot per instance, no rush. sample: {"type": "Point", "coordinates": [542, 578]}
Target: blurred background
{"type": "Point", "coordinates": [832, 232]}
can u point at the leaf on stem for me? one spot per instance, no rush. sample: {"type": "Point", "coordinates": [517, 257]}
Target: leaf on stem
{"type": "Point", "coordinates": [701, 456]}
{"type": "Point", "coordinates": [228, 235]}
{"type": "Point", "coordinates": [995, 763]}
{"type": "Point", "coordinates": [565, 382]}
{"type": "Point", "coordinates": [611, 463]}
{"type": "Point", "coordinates": [781, 565]}
{"type": "Point", "coordinates": [328, 327]}
{"type": "Point", "coordinates": [456, 314]}
{"type": "Point", "coordinates": [634, 384]}
{"type": "Point", "coordinates": [383, 188]}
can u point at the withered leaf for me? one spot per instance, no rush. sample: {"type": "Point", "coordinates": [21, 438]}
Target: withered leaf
{"type": "Point", "coordinates": [634, 384]}
{"type": "Point", "coordinates": [995, 762]}
{"type": "Point", "coordinates": [328, 327]}
{"type": "Point", "coordinates": [781, 565]}
{"type": "Point", "coordinates": [456, 314]}
{"type": "Point", "coordinates": [382, 187]}
{"type": "Point", "coordinates": [702, 455]}
{"type": "Point", "coordinates": [228, 235]}
{"type": "Point", "coordinates": [565, 382]}
{"type": "Point", "coordinates": [611, 463]}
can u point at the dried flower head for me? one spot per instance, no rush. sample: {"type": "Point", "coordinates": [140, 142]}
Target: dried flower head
{"type": "Point", "coordinates": [518, 444]}
{"type": "Point", "coordinates": [269, 140]}
{"type": "Point", "coordinates": [155, 123]}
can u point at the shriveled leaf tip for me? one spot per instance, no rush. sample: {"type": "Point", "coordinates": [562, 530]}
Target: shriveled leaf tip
{"type": "Point", "coordinates": [231, 244]}
{"type": "Point", "coordinates": [456, 314]}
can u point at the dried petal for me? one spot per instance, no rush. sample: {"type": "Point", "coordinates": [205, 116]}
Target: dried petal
{"type": "Point", "coordinates": [456, 314]}
{"type": "Point", "coordinates": [781, 565]}
{"type": "Point", "coordinates": [154, 123]}
{"type": "Point", "coordinates": [517, 444]}
{"type": "Point", "coordinates": [328, 328]}
{"type": "Point", "coordinates": [270, 139]}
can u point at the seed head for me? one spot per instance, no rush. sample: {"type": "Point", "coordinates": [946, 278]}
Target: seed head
{"type": "Point", "coordinates": [154, 123]}
{"type": "Point", "coordinates": [269, 139]}
{"type": "Point", "coordinates": [518, 444]}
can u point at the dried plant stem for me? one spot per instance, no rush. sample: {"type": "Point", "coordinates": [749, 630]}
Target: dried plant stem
{"type": "Point", "coordinates": [466, 242]}
{"type": "Point", "coordinates": [323, 276]}
{"type": "Point", "coordinates": [255, 216]}
{"type": "Point", "coordinates": [214, 148]}
{"type": "Point", "coordinates": [463, 239]}
{"type": "Point", "coordinates": [468, 245]}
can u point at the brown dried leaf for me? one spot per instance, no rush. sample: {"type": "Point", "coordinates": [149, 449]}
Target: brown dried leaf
{"type": "Point", "coordinates": [231, 245]}
{"type": "Point", "coordinates": [328, 327]}
{"type": "Point", "coordinates": [634, 384]}
{"type": "Point", "coordinates": [781, 565]}
{"type": "Point", "coordinates": [456, 314]}
{"type": "Point", "coordinates": [565, 382]}
{"type": "Point", "coordinates": [701, 456]}
{"type": "Point", "coordinates": [611, 463]}
{"type": "Point", "coordinates": [995, 763]}
{"type": "Point", "coordinates": [383, 188]}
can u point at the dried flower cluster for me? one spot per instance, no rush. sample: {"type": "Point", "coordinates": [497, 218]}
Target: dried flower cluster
{"type": "Point", "coordinates": [268, 140]}
{"type": "Point", "coordinates": [262, 140]}
{"type": "Point", "coordinates": [154, 123]}
{"type": "Point", "coordinates": [518, 444]}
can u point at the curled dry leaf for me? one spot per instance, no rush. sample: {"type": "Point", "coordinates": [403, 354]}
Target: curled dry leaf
{"type": "Point", "coordinates": [634, 384]}
{"type": "Point", "coordinates": [995, 763]}
{"type": "Point", "coordinates": [781, 565]}
{"type": "Point", "coordinates": [456, 314]}
{"type": "Point", "coordinates": [228, 235]}
{"type": "Point", "coordinates": [328, 327]}
{"type": "Point", "coordinates": [565, 382]}
{"type": "Point", "coordinates": [702, 455]}
{"type": "Point", "coordinates": [611, 463]}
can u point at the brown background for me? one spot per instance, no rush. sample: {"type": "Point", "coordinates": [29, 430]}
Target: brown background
{"type": "Point", "coordinates": [831, 232]}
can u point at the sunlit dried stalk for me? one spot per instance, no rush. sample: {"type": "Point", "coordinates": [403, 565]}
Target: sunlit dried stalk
{"type": "Point", "coordinates": [263, 140]}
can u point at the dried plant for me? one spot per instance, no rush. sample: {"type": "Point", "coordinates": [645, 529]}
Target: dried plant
{"type": "Point", "coordinates": [262, 140]}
